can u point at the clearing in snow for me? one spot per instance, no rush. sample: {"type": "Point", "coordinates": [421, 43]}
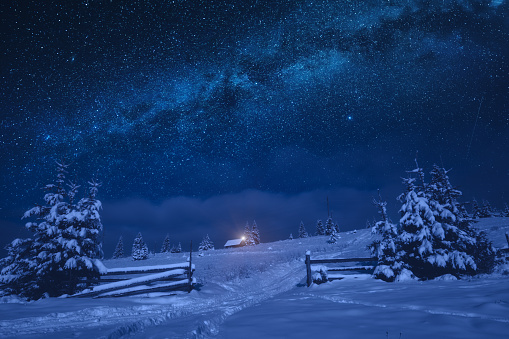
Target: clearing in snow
{"type": "Point", "coordinates": [260, 292]}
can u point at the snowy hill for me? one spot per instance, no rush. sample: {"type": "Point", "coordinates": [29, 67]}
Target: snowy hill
{"type": "Point", "coordinates": [259, 292]}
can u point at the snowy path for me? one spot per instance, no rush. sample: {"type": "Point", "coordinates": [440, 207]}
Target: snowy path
{"type": "Point", "coordinates": [188, 315]}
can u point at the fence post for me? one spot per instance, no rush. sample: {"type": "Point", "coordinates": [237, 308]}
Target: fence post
{"type": "Point", "coordinates": [507, 238]}
{"type": "Point", "coordinates": [308, 268]}
{"type": "Point", "coordinates": [190, 273]}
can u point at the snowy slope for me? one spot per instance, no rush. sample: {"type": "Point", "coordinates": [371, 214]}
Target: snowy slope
{"type": "Point", "coordinates": [259, 292]}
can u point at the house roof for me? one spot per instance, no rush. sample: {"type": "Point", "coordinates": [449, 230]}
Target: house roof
{"type": "Point", "coordinates": [233, 242]}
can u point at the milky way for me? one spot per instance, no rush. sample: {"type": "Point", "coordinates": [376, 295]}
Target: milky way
{"type": "Point", "coordinates": [200, 98]}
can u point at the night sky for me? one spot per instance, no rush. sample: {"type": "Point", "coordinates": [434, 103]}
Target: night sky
{"type": "Point", "coordinates": [198, 116]}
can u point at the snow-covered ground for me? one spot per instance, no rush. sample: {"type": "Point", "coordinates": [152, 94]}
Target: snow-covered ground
{"type": "Point", "coordinates": [260, 292]}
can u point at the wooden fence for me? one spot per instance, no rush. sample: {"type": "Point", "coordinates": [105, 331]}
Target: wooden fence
{"type": "Point", "coordinates": [118, 282]}
{"type": "Point", "coordinates": [357, 267]}
{"type": "Point", "coordinates": [162, 278]}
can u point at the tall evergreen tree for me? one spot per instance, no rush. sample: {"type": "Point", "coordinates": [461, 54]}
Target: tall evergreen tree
{"type": "Point", "coordinates": [255, 233]}
{"type": "Point", "coordinates": [140, 249]}
{"type": "Point", "coordinates": [119, 249]}
{"type": "Point", "coordinates": [320, 230]}
{"type": "Point", "coordinates": [434, 238]}
{"type": "Point", "coordinates": [166, 248]}
{"type": "Point", "coordinates": [302, 231]}
{"type": "Point", "coordinates": [65, 247]}
{"type": "Point", "coordinates": [206, 244]}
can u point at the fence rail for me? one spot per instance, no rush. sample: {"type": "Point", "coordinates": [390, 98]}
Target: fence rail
{"type": "Point", "coordinates": [309, 262]}
{"type": "Point", "coordinates": [161, 278]}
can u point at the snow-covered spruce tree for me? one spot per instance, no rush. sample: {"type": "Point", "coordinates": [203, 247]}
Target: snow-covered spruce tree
{"type": "Point", "coordinates": [320, 230]}
{"type": "Point", "coordinates": [65, 246]}
{"type": "Point", "coordinates": [248, 235]}
{"type": "Point", "coordinates": [166, 248]}
{"type": "Point", "coordinates": [302, 231]}
{"type": "Point", "coordinates": [178, 249]}
{"type": "Point", "coordinates": [505, 212]}
{"type": "Point", "coordinates": [329, 226]}
{"type": "Point", "coordinates": [333, 236]}
{"type": "Point", "coordinates": [140, 249]}
{"type": "Point", "coordinates": [290, 237]}
{"type": "Point", "coordinates": [119, 249]}
{"type": "Point", "coordinates": [384, 249]}
{"type": "Point", "coordinates": [461, 241]}
{"type": "Point", "coordinates": [255, 233]}
{"type": "Point", "coordinates": [476, 210]}
{"type": "Point", "coordinates": [486, 210]}
{"type": "Point", "coordinates": [416, 238]}
{"type": "Point", "coordinates": [206, 244]}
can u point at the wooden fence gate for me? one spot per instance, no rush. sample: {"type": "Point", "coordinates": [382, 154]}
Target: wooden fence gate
{"type": "Point", "coordinates": [359, 266]}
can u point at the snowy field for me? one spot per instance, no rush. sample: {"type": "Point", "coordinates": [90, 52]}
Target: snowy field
{"type": "Point", "coordinates": [260, 292]}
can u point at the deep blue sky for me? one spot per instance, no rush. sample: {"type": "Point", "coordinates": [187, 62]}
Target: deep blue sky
{"type": "Point", "coordinates": [200, 115]}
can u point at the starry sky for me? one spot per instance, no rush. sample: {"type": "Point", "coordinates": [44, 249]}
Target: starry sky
{"type": "Point", "coordinates": [198, 116]}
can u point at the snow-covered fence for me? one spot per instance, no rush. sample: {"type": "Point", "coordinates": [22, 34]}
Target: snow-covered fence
{"type": "Point", "coordinates": [161, 278]}
{"type": "Point", "coordinates": [359, 266]}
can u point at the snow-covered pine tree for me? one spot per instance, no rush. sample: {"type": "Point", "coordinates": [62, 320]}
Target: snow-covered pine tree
{"type": "Point", "coordinates": [333, 236]}
{"type": "Point", "coordinates": [417, 227]}
{"type": "Point", "coordinates": [140, 249]}
{"type": "Point", "coordinates": [385, 249]}
{"type": "Point", "coordinates": [505, 212]}
{"type": "Point", "coordinates": [329, 226]}
{"type": "Point", "coordinates": [178, 249]}
{"type": "Point", "coordinates": [290, 237]}
{"type": "Point", "coordinates": [206, 244]}
{"type": "Point", "coordinates": [248, 235]}
{"type": "Point", "coordinates": [255, 231]}
{"type": "Point", "coordinates": [467, 250]}
{"type": "Point", "coordinates": [302, 231]}
{"type": "Point", "coordinates": [434, 239]}
{"type": "Point", "coordinates": [166, 248]}
{"type": "Point", "coordinates": [119, 249]}
{"type": "Point", "coordinates": [486, 210]}
{"type": "Point", "coordinates": [320, 230]}
{"type": "Point", "coordinates": [65, 246]}
{"type": "Point", "coordinates": [476, 210]}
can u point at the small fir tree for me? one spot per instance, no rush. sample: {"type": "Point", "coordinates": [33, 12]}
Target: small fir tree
{"type": "Point", "coordinates": [248, 235]}
{"type": "Point", "coordinates": [333, 237]}
{"type": "Point", "coordinates": [178, 249]}
{"type": "Point", "coordinates": [119, 250]}
{"type": "Point", "coordinates": [302, 231]}
{"type": "Point", "coordinates": [329, 226]}
{"type": "Point", "coordinates": [320, 230]}
{"type": "Point", "coordinates": [476, 210]}
{"type": "Point", "coordinates": [140, 249]}
{"type": "Point", "coordinates": [255, 233]}
{"type": "Point", "coordinates": [166, 244]}
{"type": "Point", "coordinates": [291, 236]}
{"type": "Point", "coordinates": [505, 212]}
{"type": "Point", "coordinates": [206, 244]}
{"type": "Point", "coordinates": [486, 210]}
{"type": "Point", "coordinates": [384, 249]}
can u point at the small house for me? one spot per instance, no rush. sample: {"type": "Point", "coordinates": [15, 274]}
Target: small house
{"type": "Point", "coordinates": [235, 243]}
